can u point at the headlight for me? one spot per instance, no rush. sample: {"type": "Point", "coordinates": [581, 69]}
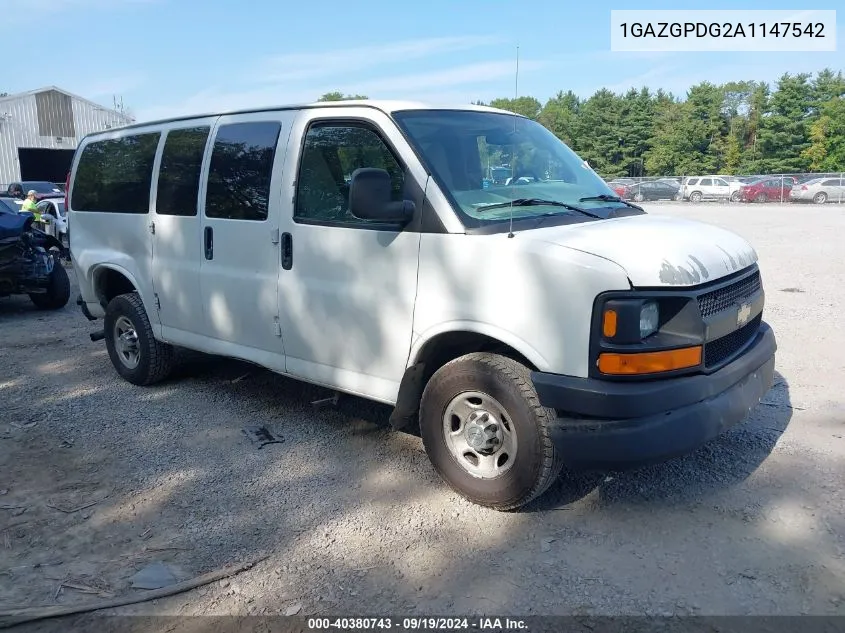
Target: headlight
{"type": "Point", "coordinates": [649, 318]}
{"type": "Point", "coordinates": [629, 321]}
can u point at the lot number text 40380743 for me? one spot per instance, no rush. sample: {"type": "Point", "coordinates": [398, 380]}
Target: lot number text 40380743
{"type": "Point", "coordinates": [418, 624]}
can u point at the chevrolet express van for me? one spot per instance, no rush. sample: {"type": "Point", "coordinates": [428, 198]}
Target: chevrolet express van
{"type": "Point", "coordinates": [357, 246]}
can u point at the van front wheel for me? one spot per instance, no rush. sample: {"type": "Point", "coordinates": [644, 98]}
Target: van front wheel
{"type": "Point", "coordinates": [486, 433]}
{"type": "Point", "coordinates": [135, 353]}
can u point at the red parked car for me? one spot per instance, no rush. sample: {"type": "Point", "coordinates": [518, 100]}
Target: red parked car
{"type": "Point", "coordinates": [770, 189]}
{"type": "Point", "coordinates": [619, 188]}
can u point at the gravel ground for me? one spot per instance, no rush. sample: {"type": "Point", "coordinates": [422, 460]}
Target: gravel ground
{"type": "Point", "coordinates": [352, 517]}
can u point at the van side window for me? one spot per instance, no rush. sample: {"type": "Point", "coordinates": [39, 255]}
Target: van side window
{"type": "Point", "coordinates": [240, 170]}
{"type": "Point", "coordinates": [179, 173]}
{"type": "Point", "coordinates": [114, 175]}
{"type": "Point", "coordinates": [330, 154]}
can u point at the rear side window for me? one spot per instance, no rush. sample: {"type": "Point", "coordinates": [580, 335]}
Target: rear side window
{"type": "Point", "coordinates": [240, 170]}
{"type": "Point", "coordinates": [179, 173]}
{"type": "Point", "coordinates": [692, 181]}
{"type": "Point", "coordinates": [114, 175]}
{"type": "Point", "coordinates": [830, 183]}
{"type": "Point", "coordinates": [706, 182]}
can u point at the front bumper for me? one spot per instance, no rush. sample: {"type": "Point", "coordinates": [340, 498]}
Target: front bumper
{"type": "Point", "coordinates": [615, 425]}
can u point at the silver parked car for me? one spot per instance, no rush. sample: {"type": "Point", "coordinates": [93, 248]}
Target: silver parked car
{"type": "Point", "coordinates": [57, 227]}
{"type": "Point", "coordinates": [819, 190]}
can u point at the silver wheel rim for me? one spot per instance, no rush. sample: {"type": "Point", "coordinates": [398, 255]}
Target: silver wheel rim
{"type": "Point", "coordinates": [126, 343]}
{"type": "Point", "coordinates": [820, 198]}
{"type": "Point", "coordinates": [479, 434]}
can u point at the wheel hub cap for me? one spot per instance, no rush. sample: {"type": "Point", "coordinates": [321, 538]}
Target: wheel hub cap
{"type": "Point", "coordinates": [483, 433]}
{"type": "Point", "coordinates": [126, 343]}
{"type": "Point", "coordinates": [479, 434]}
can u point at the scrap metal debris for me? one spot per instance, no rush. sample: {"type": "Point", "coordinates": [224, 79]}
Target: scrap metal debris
{"type": "Point", "coordinates": [11, 617]}
{"type": "Point", "coordinates": [154, 576]}
{"type": "Point", "coordinates": [326, 402]}
{"type": "Point", "coordinates": [261, 436]}
{"type": "Point", "coordinates": [52, 505]}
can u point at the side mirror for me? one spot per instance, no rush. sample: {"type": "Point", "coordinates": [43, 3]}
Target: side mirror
{"type": "Point", "coordinates": [369, 197]}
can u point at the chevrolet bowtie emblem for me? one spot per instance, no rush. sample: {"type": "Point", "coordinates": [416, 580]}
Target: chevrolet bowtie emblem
{"type": "Point", "coordinates": [743, 314]}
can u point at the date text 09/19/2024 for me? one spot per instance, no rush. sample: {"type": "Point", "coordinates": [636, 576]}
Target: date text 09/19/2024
{"type": "Point", "coordinates": [417, 624]}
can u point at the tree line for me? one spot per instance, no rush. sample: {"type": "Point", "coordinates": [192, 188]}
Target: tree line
{"type": "Point", "coordinates": [745, 127]}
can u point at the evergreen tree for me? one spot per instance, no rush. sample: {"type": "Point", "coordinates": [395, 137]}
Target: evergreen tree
{"type": "Point", "coordinates": [784, 134]}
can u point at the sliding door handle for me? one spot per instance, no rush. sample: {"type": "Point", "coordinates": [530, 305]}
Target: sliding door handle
{"type": "Point", "coordinates": [209, 243]}
{"type": "Point", "coordinates": [287, 251]}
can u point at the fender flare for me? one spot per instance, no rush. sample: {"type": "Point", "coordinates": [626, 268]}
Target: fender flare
{"type": "Point", "coordinates": [97, 270]}
{"type": "Point", "coordinates": [477, 327]}
{"type": "Point", "coordinates": [412, 383]}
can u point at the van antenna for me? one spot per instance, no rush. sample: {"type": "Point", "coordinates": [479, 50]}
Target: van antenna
{"type": "Point", "coordinates": [513, 152]}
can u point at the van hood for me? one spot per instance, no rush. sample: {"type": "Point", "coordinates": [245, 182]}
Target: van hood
{"type": "Point", "coordinates": [657, 250]}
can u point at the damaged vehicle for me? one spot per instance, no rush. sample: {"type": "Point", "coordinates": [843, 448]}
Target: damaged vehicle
{"type": "Point", "coordinates": [358, 246]}
{"type": "Point", "coordinates": [31, 262]}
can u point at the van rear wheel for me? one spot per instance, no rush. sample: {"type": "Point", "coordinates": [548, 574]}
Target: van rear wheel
{"type": "Point", "coordinates": [135, 353]}
{"type": "Point", "coordinates": [486, 433]}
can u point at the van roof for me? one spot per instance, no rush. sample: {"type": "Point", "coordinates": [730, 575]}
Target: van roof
{"type": "Point", "coordinates": [384, 105]}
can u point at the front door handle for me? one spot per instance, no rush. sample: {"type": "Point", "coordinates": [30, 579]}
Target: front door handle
{"type": "Point", "coordinates": [287, 251]}
{"type": "Point", "coordinates": [209, 243]}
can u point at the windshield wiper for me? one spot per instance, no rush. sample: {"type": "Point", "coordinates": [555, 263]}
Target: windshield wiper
{"type": "Point", "coordinates": [531, 202]}
{"type": "Point", "coordinates": [607, 198]}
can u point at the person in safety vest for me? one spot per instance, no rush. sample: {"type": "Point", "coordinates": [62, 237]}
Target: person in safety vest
{"type": "Point", "coordinates": [30, 206]}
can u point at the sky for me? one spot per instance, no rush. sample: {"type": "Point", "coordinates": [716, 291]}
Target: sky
{"type": "Point", "coordinates": [170, 57]}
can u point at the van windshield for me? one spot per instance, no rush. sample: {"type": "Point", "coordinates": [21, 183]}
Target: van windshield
{"type": "Point", "coordinates": [484, 160]}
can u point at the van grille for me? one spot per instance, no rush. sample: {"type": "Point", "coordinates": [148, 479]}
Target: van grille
{"type": "Point", "coordinates": [715, 301]}
{"type": "Point", "coordinates": [720, 350]}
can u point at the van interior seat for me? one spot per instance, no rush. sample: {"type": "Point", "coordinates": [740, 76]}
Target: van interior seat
{"type": "Point", "coordinates": [320, 195]}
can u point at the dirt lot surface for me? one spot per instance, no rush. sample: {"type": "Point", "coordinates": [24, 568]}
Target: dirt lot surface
{"type": "Point", "coordinates": [99, 478]}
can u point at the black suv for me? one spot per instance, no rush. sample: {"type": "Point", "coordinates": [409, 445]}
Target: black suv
{"type": "Point", "coordinates": [41, 188]}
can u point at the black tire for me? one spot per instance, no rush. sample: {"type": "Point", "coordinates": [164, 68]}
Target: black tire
{"type": "Point", "coordinates": [537, 463]}
{"type": "Point", "coordinates": [155, 359]}
{"type": "Point", "coordinates": [820, 197]}
{"type": "Point", "coordinates": [695, 197]}
{"type": "Point", "coordinates": [761, 198]}
{"type": "Point", "coordinates": [736, 196]}
{"type": "Point", "coordinates": [58, 290]}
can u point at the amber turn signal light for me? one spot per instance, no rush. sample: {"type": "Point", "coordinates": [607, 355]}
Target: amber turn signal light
{"type": "Point", "coordinates": [608, 326]}
{"type": "Point", "coordinates": [649, 362]}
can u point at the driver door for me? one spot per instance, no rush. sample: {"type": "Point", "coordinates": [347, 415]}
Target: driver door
{"type": "Point", "coordinates": [347, 286]}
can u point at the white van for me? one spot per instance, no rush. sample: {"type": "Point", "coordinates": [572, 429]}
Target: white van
{"type": "Point", "coordinates": [355, 245]}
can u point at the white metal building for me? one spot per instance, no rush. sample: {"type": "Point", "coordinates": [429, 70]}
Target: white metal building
{"type": "Point", "coordinates": [40, 129]}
